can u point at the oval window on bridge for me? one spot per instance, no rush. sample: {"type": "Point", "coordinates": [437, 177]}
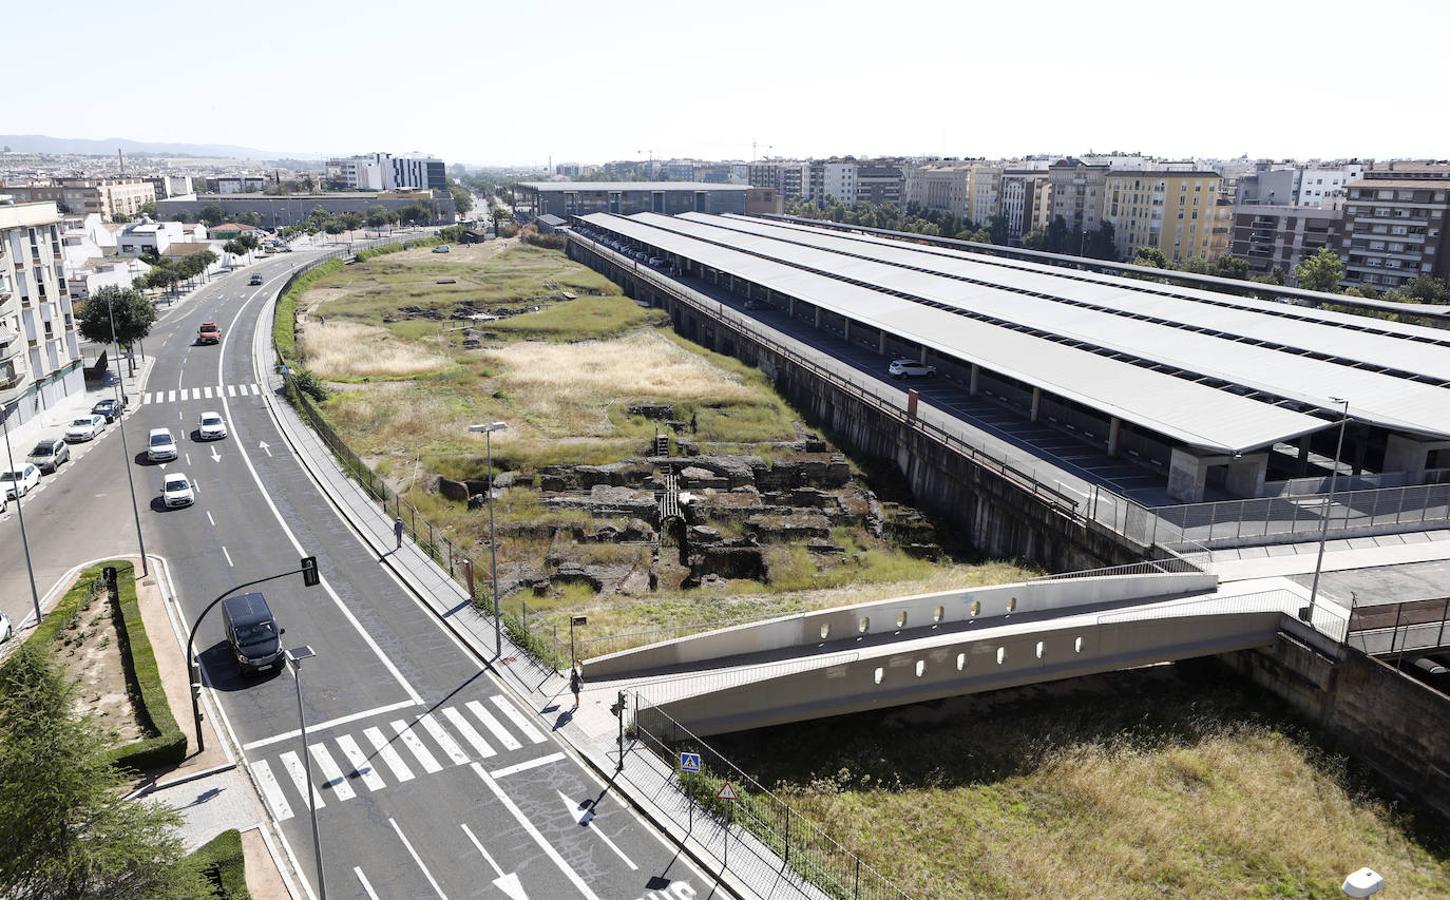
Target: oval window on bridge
{"type": "Point", "coordinates": [1001, 655]}
{"type": "Point", "coordinates": [880, 673]}
{"type": "Point", "coordinates": [901, 619]}
{"type": "Point", "coordinates": [863, 624]}
{"type": "Point", "coordinates": [825, 630]}
{"type": "Point", "coordinates": [938, 614]}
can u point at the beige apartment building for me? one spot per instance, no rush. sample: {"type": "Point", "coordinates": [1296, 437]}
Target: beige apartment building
{"type": "Point", "coordinates": [109, 197]}
{"type": "Point", "coordinates": [1176, 212]}
{"type": "Point", "coordinates": [942, 188]}
{"type": "Point", "coordinates": [40, 359]}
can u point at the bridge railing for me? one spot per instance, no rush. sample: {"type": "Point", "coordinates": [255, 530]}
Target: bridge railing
{"type": "Point", "coordinates": [1327, 617]}
{"type": "Point", "coordinates": [773, 831]}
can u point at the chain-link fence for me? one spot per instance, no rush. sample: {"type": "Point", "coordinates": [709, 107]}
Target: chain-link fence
{"type": "Point", "coordinates": [778, 832]}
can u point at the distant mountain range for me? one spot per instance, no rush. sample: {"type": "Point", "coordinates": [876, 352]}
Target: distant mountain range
{"type": "Point", "coordinates": [40, 143]}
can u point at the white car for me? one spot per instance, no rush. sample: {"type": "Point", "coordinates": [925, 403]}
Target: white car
{"type": "Point", "coordinates": [160, 445]}
{"type": "Point", "coordinates": [211, 427]}
{"type": "Point", "coordinates": [910, 368]}
{"type": "Point", "coordinates": [176, 491]}
{"type": "Point", "coordinates": [85, 428]}
{"type": "Point", "coordinates": [18, 482]}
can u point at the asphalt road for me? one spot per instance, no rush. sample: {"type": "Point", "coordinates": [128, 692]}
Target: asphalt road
{"type": "Point", "coordinates": [432, 781]}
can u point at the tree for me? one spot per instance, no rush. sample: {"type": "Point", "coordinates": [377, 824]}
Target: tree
{"type": "Point", "coordinates": [351, 221]}
{"type": "Point", "coordinates": [1102, 243]}
{"type": "Point", "coordinates": [212, 214]}
{"type": "Point", "coordinates": [1036, 239]}
{"type": "Point", "coordinates": [377, 216]}
{"type": "Point", "coordinates": [462, 198]}
{"type": "Point", "coordinates": [148, 208]}
{"type": "Point", "coordinates": [251, 217]}
{"type": "Point", "coordinates": [67, 829]}
{"type": "Point", "coordinates": [997, 228]}
{"type": "Point", "coordinates": [1320, 272]}
{"type": "Point", "coordinates": [1151, 256]}
{"type": "Point", "coordinates": [134, 316]}
{"type": "Point", "coordinates": [233, 249]}
{"type": "Point", "coordinates": [1275, 276]}
{"type": "Point", "coordinates": [120, 218]}
{"type": "Point", "coordinates": [1426, 289]}
{"type": "Point", "coordinates": [1231, 267]}
{"type": "Point", "coordinates": [1057, 236]}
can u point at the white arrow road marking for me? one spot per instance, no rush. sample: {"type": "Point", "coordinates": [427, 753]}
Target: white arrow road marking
{"type": "Point", "coordinates": [586, 819]}
{"type": "Point", "coordinates": [417, 859]}
{"type": "Point", "coordinates": [215, 456]}
{"type": "Point", "coordinates": [509, 883]}
{"type": "Point", "coordinates": [518, 814]}
{"type": "Point", "coordinates": [263, 446]}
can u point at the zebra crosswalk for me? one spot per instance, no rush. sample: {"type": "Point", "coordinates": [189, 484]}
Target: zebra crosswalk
{"type": "Point", "coordinates": [428, 743]}
{"type": "Point", "coordinates": [206, 392]}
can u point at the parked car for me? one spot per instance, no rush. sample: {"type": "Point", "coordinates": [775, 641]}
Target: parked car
{"type": "Point", "coordinates": [255, 280]}
{"type": "Point", "coordinates": [211, 427]}
{"type": "Point", "coordinates": [110, 409]}
{"type": "Point", "coordinates": [176, 491]}
{"type": "Point", "coordinates": [656, 261]}
{"type": "Point", "coordinates": [49, 454]}
{"type": "Point", "coordinates": [5, 631]}
{"type": "Point", "coordinates": [910, 368]}
{"type": "Point", "coordinates": [208, 333]}
{"type": "Point", "coordinates": [85, 428]}
{"type": "Point", "coordinates": [252, 632]}
{"type": "Point", "coordinates": [160, 446]}
{"type": "Point", "coordinates": [19, 482]}
{"type": "Point", "coordinates": [442, 248]}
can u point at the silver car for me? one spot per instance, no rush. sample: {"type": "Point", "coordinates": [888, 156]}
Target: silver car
{"type": "Point", "coordinates": [49, 454]}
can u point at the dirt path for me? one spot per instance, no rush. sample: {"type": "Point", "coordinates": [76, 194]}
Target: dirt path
{"type": "Point", "coordinates": [88, 649]}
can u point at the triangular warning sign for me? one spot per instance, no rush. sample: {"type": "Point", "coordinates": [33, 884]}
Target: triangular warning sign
{"type": "Point", "coordinates": [727, 792]}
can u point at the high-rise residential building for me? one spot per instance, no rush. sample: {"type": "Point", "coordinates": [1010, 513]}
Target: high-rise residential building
{"type": "Point", "coordinates": [1269, 184]}
{"type": "Point", "coordinates": [939, 187]}
{"type": "Point", "coordinates": [1077, 193]}
{"type": "Point", "coordinates": [789, 179]}
{"type": "Point", "coordinates": [832, 179]}
{"type": "Point", "coordinates": [1173, 211]}
{"type": "Point", "coordinates": [40, 359]}
{"type": "Point", "coordinates": [110, 197]}
{"type": "Point", "coordinates": [420, 172]}
{"type": "Point", "coordinates": [1041, 205]}
{"type": "Point", "coordinates": [879, 183]}
{"type": "Point", "coordinates": [678, 170]}
{"type": "Point", "coordinates": [1281, 237]}
{"type": "Point", "coordinates": [984, 194]}
{"type": "Point", "coordinates": [1394, 225]}
{"type": "Point", "coordinates": [1323, 188]}
{"type": "Point", "coordinates": [1022, 191]}
{"type": "Point", "coordinates": [167, 186]}
{"type": "Point", "coordinates": [385, 172]}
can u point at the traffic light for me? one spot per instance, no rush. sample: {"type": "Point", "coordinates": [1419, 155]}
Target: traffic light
{"type": "Point", "coordinates": [309, 571]}
{"type": "Point", "coordinates": [618, 706]}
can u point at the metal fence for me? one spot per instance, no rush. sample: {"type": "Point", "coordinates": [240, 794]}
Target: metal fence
{"type": "Point", "coordinates": [781, 832]}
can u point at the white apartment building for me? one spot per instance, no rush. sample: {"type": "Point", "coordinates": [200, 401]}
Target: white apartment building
{"type": "Point", "coordinates": [386, 172]}
{"type": "Point", "coordinates": [135, 240]}
{"type": "Point", "coordinates": [938, 187]}
{"type": "Point", "coordinates": [833, 179]}
{"type": "Point", "coordinates": [40, 359]}
{"type": "Point", "coordinates": [1324, 188]}
{"type": "Point", "coordinates": [984, 194]}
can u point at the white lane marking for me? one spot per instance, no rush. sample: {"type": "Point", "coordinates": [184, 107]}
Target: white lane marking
{"type": "Point", "coordinates": [444, 739]}
{"type": "Point", "coordinates": [417, 859]}
{"type": "Point", "coordinates": [359, 762]}
{"type": "Point", "coordinates": [228, 556]}
{"type": "Point", "coordinates": [231, 390]}
{"type": "Point", "coordinates": [509, 883]}
{"type": "Point", "coordinates": [272, 791]}
{"type": "Point", "coordinates": [586, 820]}
{"type": "Point", "coordinates": [493, 725]}
{"type": "Point", "coordinates": [210, 519]}
{"type": "Point", "coordinates": [147, 398]}
{"type": "Point", "coordinates": [330, 723]}
{"type": "Point", "coordinates": [367, 887]}
{"type": "Point", "coordinates": [171, 396]}
{"type": "Point", "coordinates": [526, 765]}
{"type": "Point", "coordinates": [330, 772]}
{"type": "Point", "coordinates": [206, 391]}
{"type": "Point", "coordinates": [414, 744]}
{"type": "Point", "coordinates": [293, 764]}
{"type": "Point", "coordinates": [256, 391]}
{"type": "Point", "coordinates": [188, 458]}
{"type": "Point", "coordinates": [548, 848]}
{"type": "Point", "coordinates": [493, 864]}
{"type": "Point", "coordinates": [469, 733]}
{"type": "Point", "coordinates": [516, 717]}
{"type": "Point", "coordinates": [390, 756]}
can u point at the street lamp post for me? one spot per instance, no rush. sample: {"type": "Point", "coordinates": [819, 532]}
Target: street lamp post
{"type": "Point", "coordinates": [1307, 613]}
{"type": "Point", "coordinates": [294, 659]}
{"type": "Point", "coordinates": [125, 446]}
{"type": "Point", "coordinates": [20, 514]}
{"type": "Point", "coordinates": [488, 429]}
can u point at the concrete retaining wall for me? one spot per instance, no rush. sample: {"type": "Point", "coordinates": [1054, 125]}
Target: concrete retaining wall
{"type": "Point", "coordinates": [902, 615]}
{"type": "Point", "coordinates": [1390, 723]}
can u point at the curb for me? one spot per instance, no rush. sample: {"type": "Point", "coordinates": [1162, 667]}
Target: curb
{"type": "Point", "coordinates": [150, 789]}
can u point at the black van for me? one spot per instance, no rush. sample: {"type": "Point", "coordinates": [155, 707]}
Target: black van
{"type": "Point", "coordinates": [255, 639]}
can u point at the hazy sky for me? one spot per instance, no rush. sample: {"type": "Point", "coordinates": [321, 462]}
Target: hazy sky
{"type": "Point", "coordinates": [490, 82]}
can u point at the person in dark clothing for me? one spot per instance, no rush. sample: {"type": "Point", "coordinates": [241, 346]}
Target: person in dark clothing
{"type": "Point", "coordinates": [576, 684]}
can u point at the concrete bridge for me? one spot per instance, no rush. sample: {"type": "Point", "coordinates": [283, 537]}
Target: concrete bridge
{"type": "Point", "coordinates": [913, 649]}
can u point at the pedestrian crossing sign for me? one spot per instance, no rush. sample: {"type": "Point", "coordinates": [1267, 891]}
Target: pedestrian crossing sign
{"type": "Point", "coordinates": [689, 762]}
{"type": "Point", "coordinates": [727, 792]}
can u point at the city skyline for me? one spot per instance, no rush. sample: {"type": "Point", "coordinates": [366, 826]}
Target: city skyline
{"type": "Point", "coordinates": [797, 82]}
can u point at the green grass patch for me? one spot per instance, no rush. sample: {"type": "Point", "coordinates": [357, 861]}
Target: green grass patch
{"type": "Point", "coordinates": [582, 319]}
{"type": "Point", "coordinates": [284, 325]}
{"type": "Point", "coordinates": [222, 862]}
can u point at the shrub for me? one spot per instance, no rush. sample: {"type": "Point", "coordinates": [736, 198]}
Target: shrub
{"type": "Point", "coordinates": [222, 862]}
{"type": "Point", "coordinates": [166, 745]}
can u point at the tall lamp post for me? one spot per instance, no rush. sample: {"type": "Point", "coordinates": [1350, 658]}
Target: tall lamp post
{"type": "Point", "coordinates": [488, 429]}
{"type": "Point", "coordinates": [125, 447]}
{"type": "Point", "coordinates": [20, 514]}
{"type": "Point", "coordinates": [1307, 613]}
{"type": "Point", "coordinates": [294, 661]}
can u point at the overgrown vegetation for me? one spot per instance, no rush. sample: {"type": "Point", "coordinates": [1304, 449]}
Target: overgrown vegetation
{"type": "Point", "coordinates": [284, 325]}
{"type": "Point", "coordinates": [223, 864]}
{"type": "Point", "coordinates": [1165, 782]}
{"type": "Point", "coordinates": [164, 745]}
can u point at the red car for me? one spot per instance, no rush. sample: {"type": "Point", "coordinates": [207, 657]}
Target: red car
{"type": "Point", "coordinates": [208, 333]}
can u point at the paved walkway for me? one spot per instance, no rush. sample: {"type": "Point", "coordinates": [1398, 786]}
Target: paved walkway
{"type": "Point", "coordinates": [647, 781]}
{"type": "Point", "coordinates": [52, 421]}
{"type": "Point", "coordinates": [1340, 555]}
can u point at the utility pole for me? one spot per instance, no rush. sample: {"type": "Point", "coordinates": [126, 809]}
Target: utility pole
{"type": "Point", "coordinates": [618, 709]}
{"type": "Point", "coordinates": [1307, 613]}
{"type": "Point", "coordinates": [20, 514]}
{"type": "Point", "coordinates": [294, 658]}
{"type": "Point", "coordinates": [125, 447]}
{"type": "Point", "coordinates": [488, 429]}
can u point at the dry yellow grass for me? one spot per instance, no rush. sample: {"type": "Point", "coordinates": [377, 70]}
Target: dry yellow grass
{"type": "Point", "coordinates": [352, 350]}
{"type": "Point", "coordinates": [384, 419]}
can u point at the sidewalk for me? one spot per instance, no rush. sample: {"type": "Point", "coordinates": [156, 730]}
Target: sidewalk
{"type": "Point", "coordinates": [648, 783]}
{"type": "Point", "coordinates": [51, 422]}
{"type": "Point", "coordinates": [1341, 554]}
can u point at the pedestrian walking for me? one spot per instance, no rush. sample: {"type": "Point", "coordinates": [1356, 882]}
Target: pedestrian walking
{"type": "Point", "coordinates": [398, 532]}
{"type": "Point", "coordinates": [576, 684]}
